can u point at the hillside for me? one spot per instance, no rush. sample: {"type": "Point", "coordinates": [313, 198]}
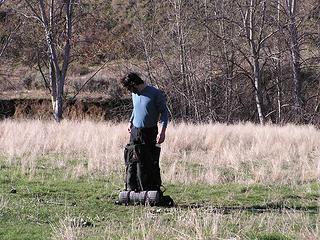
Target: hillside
{"type": "Point", "coordinates": [211, 64]}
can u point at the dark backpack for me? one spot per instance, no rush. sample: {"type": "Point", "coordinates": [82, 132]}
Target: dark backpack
{"type": "Point", "coordinates": [142, 167]}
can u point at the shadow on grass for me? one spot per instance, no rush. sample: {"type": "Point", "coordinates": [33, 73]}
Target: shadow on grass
{"type": "Point", "coordinates": [269, 207]}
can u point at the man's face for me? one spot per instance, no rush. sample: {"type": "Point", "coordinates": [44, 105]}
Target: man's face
{"type": "Point", "coordinates": [133, 89]}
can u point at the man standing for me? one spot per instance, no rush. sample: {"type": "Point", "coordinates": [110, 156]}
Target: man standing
{"type": "Point", "coordinates": [142, 154]}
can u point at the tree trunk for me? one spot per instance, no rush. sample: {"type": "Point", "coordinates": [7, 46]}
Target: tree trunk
{"type": "Point", "coordinates": [257, 90]}
{"type": "Point", "coordinates": [255, 64]}
{"type": "Point", "coordinates": [278, 66]}
{"type": "Point", "coordinates": [186, 98]}
{"type": "Point", "coordinates": [57, 74]}
{"type": "Point", "coordinates": [291, 7]}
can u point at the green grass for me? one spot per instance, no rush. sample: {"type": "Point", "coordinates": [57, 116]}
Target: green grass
{"type": "Point", "coordinates": [49, 202]}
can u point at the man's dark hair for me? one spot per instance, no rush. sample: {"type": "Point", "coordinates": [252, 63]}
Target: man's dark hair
{"type": "Point", "coordinates": [131, 79]}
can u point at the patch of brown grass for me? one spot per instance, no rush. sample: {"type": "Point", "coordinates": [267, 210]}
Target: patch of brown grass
{"type": "Point", "coordinates": [207, 153]}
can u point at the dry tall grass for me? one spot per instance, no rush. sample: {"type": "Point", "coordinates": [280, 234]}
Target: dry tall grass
{"type": "Point", "coordinates": [174, 223]}
{"type": "Point", "coordinates": [207, 153]}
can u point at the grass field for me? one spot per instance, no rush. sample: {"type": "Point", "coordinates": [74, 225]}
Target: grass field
{"type": "Point", "coordinates": [59, 181]}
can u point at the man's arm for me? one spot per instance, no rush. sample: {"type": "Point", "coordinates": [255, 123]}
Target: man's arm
{"type": "Point", "coordinates": [162, 135]}
{"type": "Point", "coordinates": [130, 125]}
{"type": "Point", "coordinates": [163, 109]}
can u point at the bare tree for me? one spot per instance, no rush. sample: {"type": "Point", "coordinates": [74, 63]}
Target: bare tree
{"type": "Point", "coordinates": [181, 32]}
{"type": "Point", "coordinates": [47, 16]}
{"type": "Point", "coordinates": [278, 67]}
{"type": "Point", "coordinates": [291, 10]}
{"type": "Point", "coordinates": [224, 35]}
{"type": "Point", "coordinates": [254, 41]}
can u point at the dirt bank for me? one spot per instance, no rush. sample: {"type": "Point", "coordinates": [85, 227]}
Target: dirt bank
{"type": "Point", "coordinates": [93, 109]}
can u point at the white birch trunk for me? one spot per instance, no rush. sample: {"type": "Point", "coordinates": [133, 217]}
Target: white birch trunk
{"type": "Point", "coordinates": [255, 63]}
{"type": "Point", "coordinates": [57, 74]}
{"type": "Point", "coordinates": [278, 67]}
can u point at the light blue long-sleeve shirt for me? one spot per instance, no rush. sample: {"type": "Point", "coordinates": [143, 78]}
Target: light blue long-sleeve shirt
{"type": "Point", "coordinates": [148, 106]}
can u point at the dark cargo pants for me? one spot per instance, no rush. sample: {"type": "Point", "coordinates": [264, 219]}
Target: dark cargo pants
{"type": "Point", "coordinates": [142, 160]}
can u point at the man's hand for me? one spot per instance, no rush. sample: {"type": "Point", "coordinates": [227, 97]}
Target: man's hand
{"type": "Point", "coordinates": [161, 136]}
{"type": "Point", "coordinates": [130, 125]}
